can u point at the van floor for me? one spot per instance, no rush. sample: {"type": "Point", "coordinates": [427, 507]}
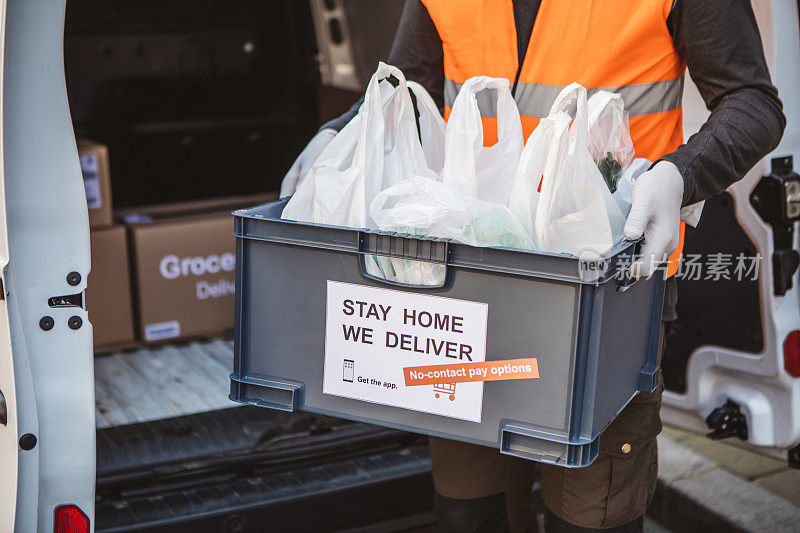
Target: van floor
{"type": "Point", "coordinates": [162, 382]}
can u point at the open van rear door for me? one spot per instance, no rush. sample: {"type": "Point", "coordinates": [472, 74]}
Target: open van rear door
{"type": "Point", "coordinates": [47, 448]}
{"type": "Point", "coordinates": [731, 360]}
{"type": "Point", "coordinates": [9, 434]}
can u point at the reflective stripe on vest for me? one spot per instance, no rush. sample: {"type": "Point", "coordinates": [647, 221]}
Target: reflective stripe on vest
{"type": "Point", "coordinates": [535, 99]}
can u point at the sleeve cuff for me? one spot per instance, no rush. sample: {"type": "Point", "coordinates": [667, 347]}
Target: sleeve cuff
{"type": "Point", "coordinates": [689, 182]}
{"type": "Point", "coordinates": [340, 122]}
{"type": "Point", "coordinates": [336, 124]}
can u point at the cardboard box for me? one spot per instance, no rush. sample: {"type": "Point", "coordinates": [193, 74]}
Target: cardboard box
{"type": "Point", "coordinates": [154, 212]}
{"type": "Point", "coordinates": [96, 181]}
{"type": "Point", "coordinates": [108, 290]}
{"type": "Point", "coordinates": [184, 270]}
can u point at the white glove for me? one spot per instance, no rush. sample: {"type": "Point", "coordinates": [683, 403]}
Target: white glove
{"type": "Point", "coordinates": [302, 165]}
{"type": "Point", "coordinates": [655, 213]}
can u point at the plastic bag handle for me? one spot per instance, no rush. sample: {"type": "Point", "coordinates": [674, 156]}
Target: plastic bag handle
{"type": "Point", "coordinates": [375, 101]}
{"type": "Point", "coordinates": [388, 124]}
{"type": "Point", "coordinates": [509, 126]}
{"type": "Point", "coordinates": [426, 105]}
{"type": "Point", "coordinates": [430, 125]}
{"type": "Point", "coordinates": [465, 115]}
{"type": "Point", "coordinates": [602, 100]}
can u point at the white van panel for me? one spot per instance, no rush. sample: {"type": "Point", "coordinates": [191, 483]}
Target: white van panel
{"type": "Point", "coordinates": [769, 397]}
{"type": "Point", "coordinates": [48, 232]}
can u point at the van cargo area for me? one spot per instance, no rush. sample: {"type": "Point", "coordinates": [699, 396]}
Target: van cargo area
{"type": "Point", "coordinates": [197, 100]}
{"type": "Point", "coordinates": [173, 454]}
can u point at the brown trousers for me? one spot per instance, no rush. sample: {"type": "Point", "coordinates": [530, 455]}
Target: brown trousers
{"type": "Point", "coordinates": [613, 491]}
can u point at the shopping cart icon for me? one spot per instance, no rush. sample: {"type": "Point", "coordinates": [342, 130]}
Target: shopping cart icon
{"type": "Point", "coordinates": [445, 388]}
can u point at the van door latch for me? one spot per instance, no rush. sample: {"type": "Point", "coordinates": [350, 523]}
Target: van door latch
{"type": "Point", "coordinates": [68, 300]}
{"type": "Point", "coordinates": [776, 199]}
{"type": "Point", "coordinates": [794, 457]}
{"type": "Point", "coordinates": [727, 421]}
{"type": "Point", "coordinates": [3, 410]}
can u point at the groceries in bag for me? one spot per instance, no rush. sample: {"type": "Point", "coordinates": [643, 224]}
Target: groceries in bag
{"type": "Point", "coordinates": [609, 136]}
{"type": "Point", "coordinates": [559, 193]}
{"type": "Point", "coordinates": [423, 206]}
{"type": "Point", "coordinates": [428, 207]}
{"type": "Point", "coordinates": [567, 190]}
{"type": "Point", "coordinates": [377, 149]}
{"type": "Point", "coordinates": [469, 205]}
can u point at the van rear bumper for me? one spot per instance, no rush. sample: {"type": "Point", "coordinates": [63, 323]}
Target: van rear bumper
{"type": "Point", "coordinates": [244, 469]}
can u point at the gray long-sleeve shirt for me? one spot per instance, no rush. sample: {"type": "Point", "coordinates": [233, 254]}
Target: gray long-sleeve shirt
{"type": "Point", "coordinates": [720, 42]}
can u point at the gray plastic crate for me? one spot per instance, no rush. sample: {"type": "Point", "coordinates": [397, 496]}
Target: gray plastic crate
{"type": "Point", "coordinates": [596, 341]}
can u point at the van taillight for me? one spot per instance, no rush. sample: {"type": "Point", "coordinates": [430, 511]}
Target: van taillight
{"type": "Point", "coordinates": [791, 353]}
{"type": "Point", "coordinates": [70, 519]}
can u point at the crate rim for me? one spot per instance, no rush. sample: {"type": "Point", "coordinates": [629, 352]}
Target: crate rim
{"type": "Point", "coordinates": [457, 258]}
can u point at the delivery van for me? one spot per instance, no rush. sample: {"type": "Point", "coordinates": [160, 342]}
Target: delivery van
{"type": "Point", "coordinates": [201, 105]}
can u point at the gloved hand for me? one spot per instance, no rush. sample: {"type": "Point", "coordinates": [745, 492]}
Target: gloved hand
{"type": "Point", "coordinates": [305, 160]}
{"type": "Point", "coordinates": [655, 213]}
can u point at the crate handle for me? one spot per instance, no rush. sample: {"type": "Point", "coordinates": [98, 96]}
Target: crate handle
{"type": "Point", "coordinates": [430, 250]}
{"type": "Point", "coordinates": [404, 246]}
{"type": "Point", "coordinates": [624, 278]}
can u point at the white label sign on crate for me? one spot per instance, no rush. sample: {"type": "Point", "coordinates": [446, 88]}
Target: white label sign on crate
{"type": "Point", "coordinates": [373, 334]}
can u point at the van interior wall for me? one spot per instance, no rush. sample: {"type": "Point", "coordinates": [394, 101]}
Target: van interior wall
{"type": "Point", "coordinates": [194, 98]}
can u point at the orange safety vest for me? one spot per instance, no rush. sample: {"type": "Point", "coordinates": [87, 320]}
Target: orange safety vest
{"type": "Point", "coordinates": [622, 46]}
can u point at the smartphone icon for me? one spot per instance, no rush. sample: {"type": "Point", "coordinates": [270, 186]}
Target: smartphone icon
{"type": "Point", "coordinates": [348, 370]}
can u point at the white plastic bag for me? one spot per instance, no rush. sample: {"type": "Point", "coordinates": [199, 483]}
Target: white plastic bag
{"type": "Point", "coordinates": [423, 206]}
{"type": "Point", "coordinates": [624, 193]}
{"type": "Point", "coordinates": [610, 140]}
{"type": "Point", "coordinates": [559, 194]}
{"type": "Point", "coordinates": [378, 148]}
{"type": "Point", "coordinates": [545, 143]}
{"type": "Point", "coordinates": [486, 173]}
{"type": "Point", "coordinates": [431, 127]}
{"type": "Point", "coordinates": [612, 149]}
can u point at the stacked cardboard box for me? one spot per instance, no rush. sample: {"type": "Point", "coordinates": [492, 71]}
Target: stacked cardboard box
{"type": "Point", "coordinates": [183, 258]}
{"type": "Point", "coordinates": [108, 290]}
{"type": "Point", "coordinates": [162, 272]}
{"type": "Point", "coordinates": [96, 181]}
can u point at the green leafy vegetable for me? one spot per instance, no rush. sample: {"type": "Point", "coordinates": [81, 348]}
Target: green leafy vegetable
{"type": "Point", "coordinates": [611, 169]}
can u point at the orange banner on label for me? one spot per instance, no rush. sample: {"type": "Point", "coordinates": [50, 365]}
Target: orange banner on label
{"type": "Point", "coordinates": [465, 372]}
